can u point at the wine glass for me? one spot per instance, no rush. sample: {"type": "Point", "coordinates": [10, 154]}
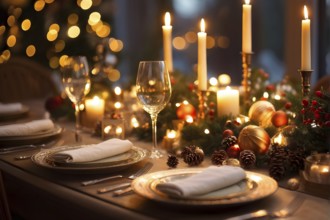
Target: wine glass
{"type": "Point", "coordinates": [153, 92]}
{"type": "Point", "coordinates": [76, 82]}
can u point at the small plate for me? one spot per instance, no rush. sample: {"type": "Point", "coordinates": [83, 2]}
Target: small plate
{"type": "Point", "coordinates": [15, 114]}
{"type": "Point", "coordinates": [42, 159]}
{"type": "Point", "coordinates": [31, 139]}
{"type": "Point", "coordinates": [258, 186]}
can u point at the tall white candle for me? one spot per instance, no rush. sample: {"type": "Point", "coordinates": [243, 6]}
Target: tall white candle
{"type": "Point", "coordinates": [305, 42]}
{"type": "Point", "coordinates": [202, 63]}
{"type": "Point", "coordinates": [247, 28]}
{"type": "Point", "coordinates": [227, 102]}
{"type": "Point", "coordinates": [167, 42]}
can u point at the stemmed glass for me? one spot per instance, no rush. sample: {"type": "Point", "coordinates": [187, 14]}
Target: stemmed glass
{"type": "Point", "coordinates": [153, 93]}
{"type": "Point", "coordinates": [76, 82]}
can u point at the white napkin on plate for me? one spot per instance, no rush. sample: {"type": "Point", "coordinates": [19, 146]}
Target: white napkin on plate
{"type": "Point", "coordinates": [92, 152]}
{"type": "Point", "coordinates": [211, 179]}
{"type": "Point", "coordinates": [10, 108]}
{"type": "Point", "coordinates": [28, 128]}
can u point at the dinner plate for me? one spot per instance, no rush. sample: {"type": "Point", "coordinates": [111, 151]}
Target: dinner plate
{"type": "Point", "coordinates": [131, 155]}
{"type": "Point", "coordinates": [14, 114]}
{"type": "Point", "coordinates": [34, 138]}
{"type": "Point", "coordinates": [106, 165]}
{"type": "Point", "coordinates": [258, 186]}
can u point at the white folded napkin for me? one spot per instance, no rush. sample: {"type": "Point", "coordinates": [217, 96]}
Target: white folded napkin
{"type": "Point", "coordinates": [10, 108]}
{"type": "Point", "coordinates": [28, 128]}
{"type": "Point", "coordinates": [92, 152]}
{"type": "Point", "coordinates": [211, 179]}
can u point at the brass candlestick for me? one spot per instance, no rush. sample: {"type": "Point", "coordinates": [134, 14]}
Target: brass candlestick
{"type": "Point", "coordinates": [305, 81]}
{"type": "Point", "coordinates": [202, 98]}
{"type": "Point", "coordinates": [246, 82]}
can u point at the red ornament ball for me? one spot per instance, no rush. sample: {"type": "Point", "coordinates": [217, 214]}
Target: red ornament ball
{"type": "Point", "coordinates": [279, 119]}
{"type": "Point", "coordinates": [53, 103]}
{"type": "Point", "coordinates": [233, 151]}
{"type": "Point", "coordinates": [185, 110]}
{"type": "Point", "coordinates": [227, 133]}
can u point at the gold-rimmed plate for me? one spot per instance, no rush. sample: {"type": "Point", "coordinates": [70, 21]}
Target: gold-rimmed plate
{"type": "Point", "coordinates": [34, 138]}
{"type": "Point", "coordinates": [110, 164]}
{"type": "Point", "coordinates": [258, 186]}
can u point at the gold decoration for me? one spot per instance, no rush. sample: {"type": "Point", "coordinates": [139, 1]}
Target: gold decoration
{"type": "Point", "coordinates": [254, 138]}
{"type": "Point", "coordinates": [262, 112]}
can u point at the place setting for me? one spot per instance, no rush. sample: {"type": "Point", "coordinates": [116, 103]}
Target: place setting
{"type": "Point", "coordinates": [14, 110]}
{"type": "Point", "coordinates": [108, 156]}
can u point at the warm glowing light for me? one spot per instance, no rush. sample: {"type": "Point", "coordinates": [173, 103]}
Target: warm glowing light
{"type": "Point", "coordinates": [104, 31]}
{"type": "Point", "coordinates": [73, 31]}
{"type": "Point", "coordinates": [279, 139]}
{"type": "Point", "coordinates": [119, 130]}
{"type": "Point", "coordinates": [26, 24]}
{"type": "Point", "coordinates": [11, 20]}
{"type": "Point", "coordinates": [114, 75]}
{"type": "Point", "coordinates": [189, 119]}
{"type": "Point", "coordinates": [86, 4]}
{"type": "Point", "coordinates": [277, 97]}
{"type": "Point", "coordinates": [107, 129]}
{"type": "Point", "coordinates": [207, 131]}
{"type": "Point", "coordinates": [202, 25]}
{"type": "Point", "coordinates": [54, 62]}
{"type": "Point", "coordinates": [94, 18]}
{"type": "Point", "coordinates": [224, 79]}
{"type": "Point", "coordinates": [185, 102]}
{"type": "Point", "coordinates": [39, 5]}
{"type": "Point", "coordinates": [52, 35]}
{"type": "Point", "coordinates": [247, 2]}
{"type": "Point", "coordinates": [2, 29]}
{"type": "Point", "coordinates": [30, 50]}
{"type": "Point", "coordinates": [254, 99]}
{"type": "Point", "coordinates": [54, 27]}
{"type": "Point", "coordinates": [265, 95]}
{"type": "Point", "coordinates": [81, 107]}
{"type": "Point", "coordinates": [117, 90]}
{"type": "Point", "coordinates": [167, 19]}
{"type": "Point", "coordinates": [223, 42]}
{"type": "Point", "coordinates": [118, 105]}
{"type": "Point", "coordinates": [325, 170]}
{"type": "Point", "coordinates": [305, 12]}
{"type": "Point", "coordinates": [115, 45]}
{"type": "Point", "coordinates": [11, 41]}
{"type": "Point", "coordinates": [179, 43]}
{"type": "Point", "coordinates": [213, 81]}
{"type": "Point", "coordinates": [171, 134]}
{"type": "Point", "coordinates": [135, 123]}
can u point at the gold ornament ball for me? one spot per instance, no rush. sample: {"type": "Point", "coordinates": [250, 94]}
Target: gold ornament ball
{"type": "Point", "coordinates": [262, 112]}
{"type": "Point", "coordinates": [279, 119]}
{"type": "Point", "coordinates": [293, 184]}
{"type": "Point", "coordinates": [254, 138]}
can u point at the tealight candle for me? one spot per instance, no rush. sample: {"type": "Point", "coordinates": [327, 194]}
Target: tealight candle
{"type": "Point", "coordinates": [228, 102]}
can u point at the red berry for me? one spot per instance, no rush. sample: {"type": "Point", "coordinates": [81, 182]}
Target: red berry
{"type": "Point", "coordinates": [211, 112]}
{"type": "Point", "coordinates": [305, 102]}
{"type": "Point", "coordinates": [233, 151]}
{"type": "Point", "coordinates": [314, 102]}
{"type": "Point", "coordinates": [303, 111]}
{"type": "Point", "coordinates": [319, 94]}
{"type": "Point", "coordinates": [288, 105]}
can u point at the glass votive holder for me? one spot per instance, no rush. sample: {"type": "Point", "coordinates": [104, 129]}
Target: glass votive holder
{"type": "Point", "coordinates": [317, 168]}
{"type": "Point", "coordinates": [113, 128]}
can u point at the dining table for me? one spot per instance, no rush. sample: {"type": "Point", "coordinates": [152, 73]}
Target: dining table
{"type": "Point", "coordinates": [36, 192]}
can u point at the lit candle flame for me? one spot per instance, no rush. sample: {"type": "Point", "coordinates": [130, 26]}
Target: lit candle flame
{"type": "Point", "coordinates": [117, 90]}
{"type": "Point", "coordinates": [305, 12]}
{"type": "Point", "coordinates": [202, 25]}
{"type": "Point", "coordinates": [247, 2]}
{"type": "Point", "coordinates": [171, 134]}
{"type": "Point", "coordinates": [189, 119]}
{"type": "Point", "coordinates": [167, 19]}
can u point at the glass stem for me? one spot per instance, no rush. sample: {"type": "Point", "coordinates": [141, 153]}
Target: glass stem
{"type": "Point", "coordinates": [77, 125]}
{"type": "Point", "coordinates": [154, 130]}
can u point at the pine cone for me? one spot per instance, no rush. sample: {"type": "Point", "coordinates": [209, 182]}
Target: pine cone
{"type": "Point", "coordinates": [296, 161]}
{"type": "Point", "coordinates": [192, 155]}
{"type": "Point", "coordinates": [218, 157]}
{"type": "Point", "coordinates": [188, 150]}
{"type": "Point", "coordinates": [277, 171]}
{"type": "Point", "coordinates": [229, 141]}
{"type": "Point", "coordinates": [277, 162]}
{"type": "Point", "coordinates": [172, 161]}
{"type": "Point", "coordinates": [247, 159]}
